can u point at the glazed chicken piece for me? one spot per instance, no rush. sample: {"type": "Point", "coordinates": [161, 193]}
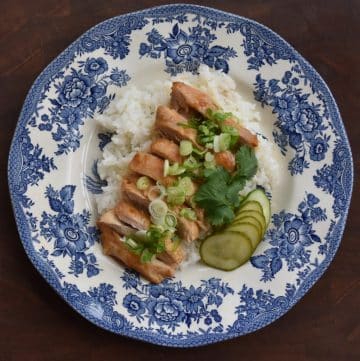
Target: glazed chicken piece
{"type": "Point", "coordinates": [167, 149]}
{"type": "Point", "coordinates": [203, 225]}
{"type": "Point", "coordinates": [131, 191]}
{"type": "Point", "coordinates": [151, 166]}
{"type": "Point", "coordinates": [245, 136]}
{"type": "Point", "coordinates": [172, 256]}
{"type": "Point", "coordinates": [129, 214]}
{"type": "Point", "coordinates": [155, 271]}
{"type": "Point", "coordinates": [110, 219]}
{"type": "Point", "coordinates": [225, 159]}
{"type": "Point", "coordinates": [167, 123]}
{"type": "Point", "coordinates": [188, 230]}
{"type": "Point", "coordinates": [185, 99]}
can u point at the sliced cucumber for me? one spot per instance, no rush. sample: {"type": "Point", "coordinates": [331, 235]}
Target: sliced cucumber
{"type": "Point", "coordinates": [249, 219]}
{"type": "Point", "coordinates": [252, 214]}
{"type": "Point", "coordinates": [258, 195]}
{"type": "Point", "coordinates": [248, 230]}
{"type": "Point", "coordinates": [249, 206]}
{"type": "Point", "coordinates": [226, 251]}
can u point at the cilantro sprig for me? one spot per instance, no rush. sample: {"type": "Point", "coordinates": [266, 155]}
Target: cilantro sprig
{"type": "Point", "coordinates": [219, 194]}
{"type": "Point", "coordinates": [150, 244]}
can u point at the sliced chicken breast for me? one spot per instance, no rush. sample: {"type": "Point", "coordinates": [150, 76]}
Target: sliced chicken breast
{"type": "Point", "coordinates": [131, 191]}
{"type": "Point", "coordinates": [203, 225]}
{"type": "Point", "coordinates": [154, 271]}
{"type": "Point", "coordinates": [185, 98]}
{"type": "Point", "coordinates": [167, 149]}
{"type": "Point", "coordinates": [172, 256]}
{"type": "Point", "coordinates": [245, 136]}
{"type": "Point", "coordinates": [168, 123]}
{"type": "Point", "coordinates": [110, 219]}
{"type": "Point", "coordinates": [131, 215]}
{"type": "Point", "coordinates": [188, 230]}
{"type": "Point", "coordinates": [151, 166]}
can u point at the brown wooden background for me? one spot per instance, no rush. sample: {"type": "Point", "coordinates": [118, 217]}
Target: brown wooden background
{"type": "Point", "coordinates": [35, 324]}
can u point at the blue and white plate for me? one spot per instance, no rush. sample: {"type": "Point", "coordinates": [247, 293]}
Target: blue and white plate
{"type": "Point", "coordinates": [52, 175]}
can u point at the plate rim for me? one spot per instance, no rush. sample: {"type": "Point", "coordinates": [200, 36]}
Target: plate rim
{"type": "Point", "coordinates": [25, 236]}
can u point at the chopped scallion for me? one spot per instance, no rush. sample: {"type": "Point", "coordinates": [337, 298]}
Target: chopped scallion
{"type": "Point", "coordinates": [187, 185]}
{"type": "Point", "coordinates": [216, 144]}
{"type": "Point", "coordinates": [186, 147]}
{"type": "Point", "coordinates": [176, 169]}
{"type": "Point", "coordinates": [188, 213]}
{"type": "Point", "coordinates": [224, 141]}
{"type": "Point", "coordinates": [143, 183]}
{"type": "Point", "coordinates": [166, 168]}
{"type": "Point", "coordinates": [175, 195]}
{"type": "Point", "coordinates": [158, 210]}
{"type": "Point", "coordinates": [170, 220]}
{"type": "Point", "coordinates": [209, 157]}
{"type": "Point", "coordinates": [191, 163]}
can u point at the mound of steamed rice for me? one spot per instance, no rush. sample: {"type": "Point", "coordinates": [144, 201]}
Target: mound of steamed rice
{"type": "Point", "coordinates": [130, 117]}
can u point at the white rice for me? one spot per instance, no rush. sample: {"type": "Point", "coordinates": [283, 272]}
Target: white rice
{"type": "Point", "coordinates": [130, 116]}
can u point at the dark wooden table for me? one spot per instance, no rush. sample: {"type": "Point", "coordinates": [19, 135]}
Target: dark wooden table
{"type": "Point", "coordinates": [35, 324]}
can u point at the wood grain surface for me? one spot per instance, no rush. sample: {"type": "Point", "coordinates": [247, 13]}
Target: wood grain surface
{"type": "Point", "coordinates": [35, 324]}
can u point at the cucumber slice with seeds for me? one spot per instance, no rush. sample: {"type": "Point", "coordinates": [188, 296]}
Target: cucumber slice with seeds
{"type": "Point", "coordinates": [251, 214]}
{"type": "Point", "coordinates": [226, 251]}
{"type": "Point", "coordinates": [250, 219]}
{"type": "Point", "coordinates": [234, 246]}
{"type": "Point", "coordinates": [258, 195]}
{"type": "Point", "coordinates": [248, 230]}
{"type": "Point", "coordinates": [249, 206]}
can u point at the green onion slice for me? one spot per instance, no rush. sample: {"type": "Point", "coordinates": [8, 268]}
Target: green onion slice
{"type": "Point", "coordinates": [175, 195]}
{"type": "Point", "coordinates": [216, 144]}
{"type": "Point", "coordinates": [188, 213]}
{"type": "Point", "coordinates": [224, 141]}
{"type": "Point", "coordinates": [186, 147]}
{"type": "Point", "coordinates": [187, 185]}
{"type": "Point", "coordinates": [158, 210]}
{"type": "Point", "coordinates": [170, 220]}
{"type": "Point", "coordinates": [143, 183]}
{"type": "Point", "coordinates": [166, 168]}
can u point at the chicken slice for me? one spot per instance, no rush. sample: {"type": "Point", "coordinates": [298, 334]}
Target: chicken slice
{"type": "Point", "coordinates": [166, 149]}
{"type": "Point", "coordinates": [172, 256]}
{"type": "Point", "coordinates": [129, 188]}
{"type": "Point", "coordinates": [185, 98]}
{"type": "Point", "coordinates": [188, 230]}
{"type": "Point", "coordinates": [203, 225]}
{"type": "Point", "coordinates": [154, 271]}
{"type": "Point", "coordinates": [132, 216]}
{"type": "Point", "coordinates": [245, 136]}
{"type": "Point", "coordinates": [110, 219]}
{"type": "Point", "coordinates": [225, 159]}
{"type": "Point", "coordinates": [151, 166]}
{"type": "Point", "coordinates": [168, 123]}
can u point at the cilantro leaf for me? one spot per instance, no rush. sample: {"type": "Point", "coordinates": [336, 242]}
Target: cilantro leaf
{"type": "Point", "coordinates": [232, 193]}
{"type": "Point", "coordinates": [219, 194]}
{"type": "Point", "coordinates": [217, 198]}
{"type": "Point", "coordinates": [221, 215]}
{"type": "Point", "coordinates": [246, 162]}
{"type": "Point", "coordinates": [211, 196]}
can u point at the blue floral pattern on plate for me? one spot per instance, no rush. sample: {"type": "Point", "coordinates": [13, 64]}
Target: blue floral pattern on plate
{"type": "Point", "coordinates": [171, 304]}
{"type": "Point", "coordinates": [53, 176]}
{"type": "Point", "coordinates": [79, 95]}
{"type": "Point", "coordinates": [185, 51]}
